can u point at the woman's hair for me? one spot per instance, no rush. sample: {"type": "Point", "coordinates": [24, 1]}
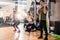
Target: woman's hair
{"type": "Point", "coordinates": [42, 0]}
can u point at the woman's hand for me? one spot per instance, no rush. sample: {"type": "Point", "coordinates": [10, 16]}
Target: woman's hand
{"type": "Point", "coordinates": [45, 5]}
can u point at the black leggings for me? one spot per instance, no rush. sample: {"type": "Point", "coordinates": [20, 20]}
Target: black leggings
{"type": "Point", "coordinates": [43, 26]}
{"type": "Point", "coordinates": [16, 23]}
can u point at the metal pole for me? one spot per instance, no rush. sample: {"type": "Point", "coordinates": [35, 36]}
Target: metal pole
{"type": "Point", "coordinates": [35, 11]}
{"type": "Point", "coordinates": [47, 17]}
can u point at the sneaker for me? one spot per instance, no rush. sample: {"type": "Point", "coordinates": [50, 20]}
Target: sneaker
{"type": "Point", "coordinates": [18, 31]}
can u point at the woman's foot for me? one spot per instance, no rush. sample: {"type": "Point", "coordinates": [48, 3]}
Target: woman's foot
{"type": "Point", "coordinates": [18, 31]}
{"type": "Point", "coordinates": [40, 37]}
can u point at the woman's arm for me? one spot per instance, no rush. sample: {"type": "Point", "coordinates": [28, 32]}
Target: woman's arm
{"type": "Point", "coordinates": [45, 8]}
